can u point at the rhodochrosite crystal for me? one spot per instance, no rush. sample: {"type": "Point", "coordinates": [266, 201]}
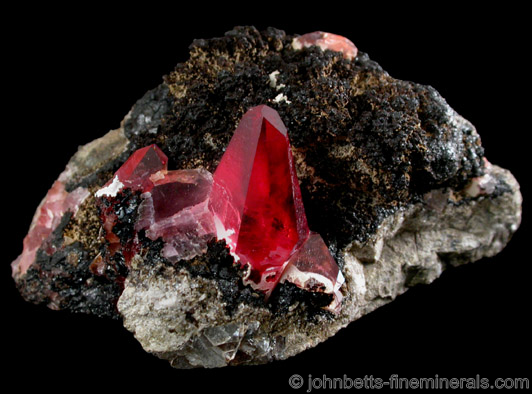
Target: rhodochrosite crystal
{"type": "Point", "coordinates": [176, 210]}
{"type": "Point", "coordinates": [134, 175]}
{"type": "Point", "coordinates": [135, 172]}
{"type": "Point", "coordinates": [313, 268]}
{"type": "Point", "coordinates": [256, 198]}
{"type": "Point", "coordinates": [174, 206]}
{"type": "Point", "coordinates": [257, 203]}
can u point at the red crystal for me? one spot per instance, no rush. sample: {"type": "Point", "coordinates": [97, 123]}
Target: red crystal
{"type": "Point", "coordinates": [325, 41]}
{"type": "Point", "coordinates": [256, 198]}
{"type": "Point", "coordinates": [135, 172]}
{"type": "Point", "coordinates": [313, 268]}
{"type": "Point", "coordinates": [253, 202]}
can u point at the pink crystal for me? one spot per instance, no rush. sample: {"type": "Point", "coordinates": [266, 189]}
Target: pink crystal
{"type": "Point", "coordinates": [176, 210]}
{"type": "Point", "coordinates": [47, 217]}
{"type": "Point", "coordinates": [325, 41]}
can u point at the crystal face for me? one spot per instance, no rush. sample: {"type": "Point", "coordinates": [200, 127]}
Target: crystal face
{"type": "Point", "coordinates": [135, 172]}
{"type": "Point", "coordinates": [313, 268]}
{"type": "Point", "coordinates": [256, 198]}
{"type": "Point", "coordinates": [176, 210]}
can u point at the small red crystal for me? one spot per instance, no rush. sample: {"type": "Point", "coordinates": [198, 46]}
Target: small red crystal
{"type": "Point", "coordinates": [135, 172]}
{"type": "Point", "coordinates": [256, 198]}
{"type": "Point", "coordinates": [313, 268]}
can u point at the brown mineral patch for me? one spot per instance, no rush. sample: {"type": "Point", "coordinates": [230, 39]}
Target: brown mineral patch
{"type": "Point", "coordinates": [364, 81]}
{"type": "Point", "coordinates": [84, 227]}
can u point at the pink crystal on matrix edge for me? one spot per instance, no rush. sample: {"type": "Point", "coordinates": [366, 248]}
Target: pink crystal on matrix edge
{"type": "Point", "coordinates": [258, 210]}
{"type": "Point", "coordinates": [333, 42]}
{"type": "Point", "coordinates": [47, 217]}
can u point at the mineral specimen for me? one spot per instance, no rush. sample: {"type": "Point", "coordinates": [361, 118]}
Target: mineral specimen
{"type": "Point", "coordinates": [392, 179]}
{"type": "Point", "coordinates": [254, 205]}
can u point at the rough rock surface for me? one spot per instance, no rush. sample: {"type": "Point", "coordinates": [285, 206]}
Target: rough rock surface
{"type": "Point", "coordinates": [391, 177]}
{"type": "Point", "coordinates": [176, 315]}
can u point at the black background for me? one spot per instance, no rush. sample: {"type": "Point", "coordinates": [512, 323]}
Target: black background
{"type": "Point", "coordinates": [71, 75]}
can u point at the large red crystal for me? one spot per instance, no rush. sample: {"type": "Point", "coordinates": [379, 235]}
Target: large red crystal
{"type": "Point", "coordinates": [256, 198]}
{"type": "Point", "coordinates": [258, 210]}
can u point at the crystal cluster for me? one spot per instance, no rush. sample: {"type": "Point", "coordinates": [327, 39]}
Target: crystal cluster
{"type": "Point", "coordinates": [132, 176]}
{"type": "Point", "coordinates": [258, 209]}
{"type": "Point", "coordinates": [173, 207]}
{"type": "Point", "coordinates": [253, 202]}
